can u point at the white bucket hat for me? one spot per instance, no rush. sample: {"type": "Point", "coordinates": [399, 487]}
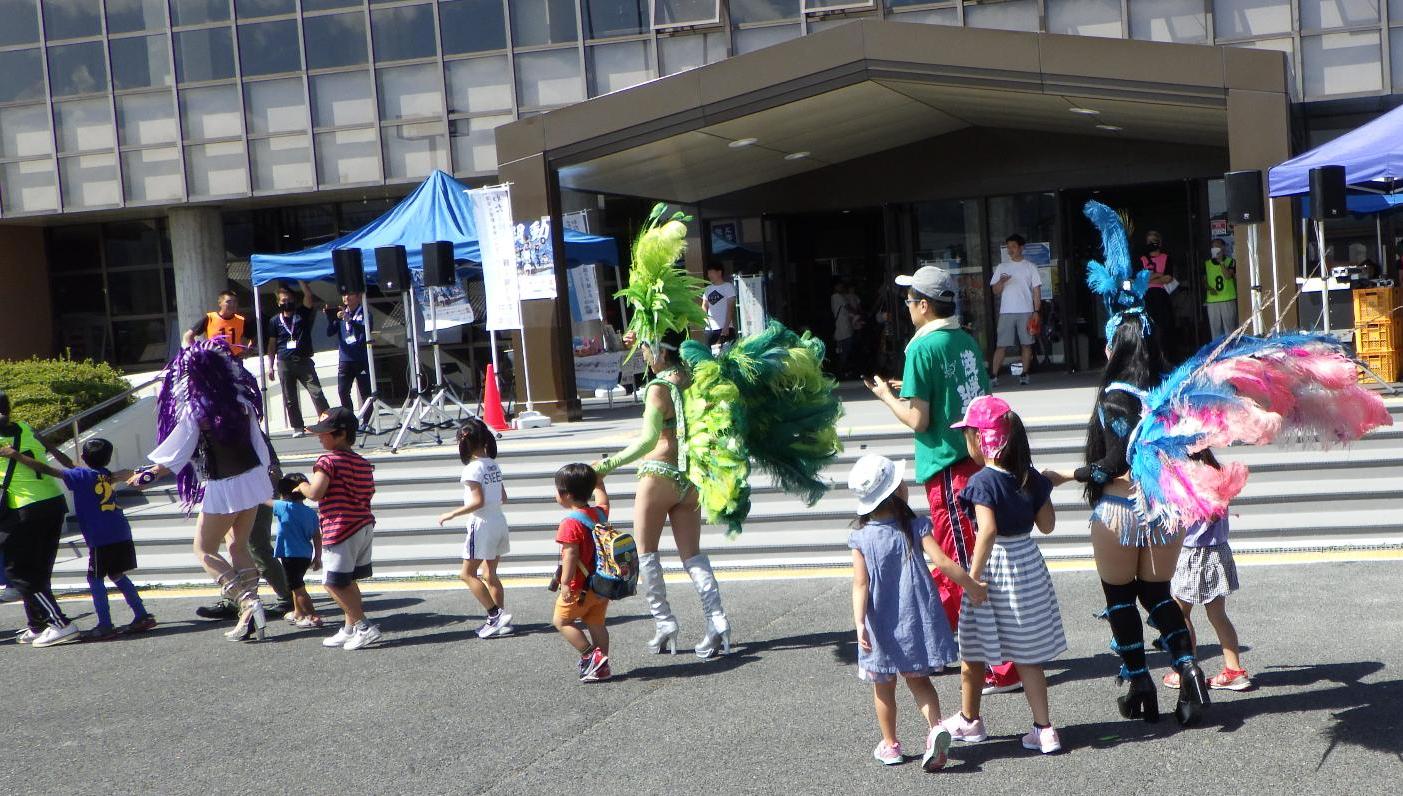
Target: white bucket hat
{"type": "Point", "coordinates": [872, 479]}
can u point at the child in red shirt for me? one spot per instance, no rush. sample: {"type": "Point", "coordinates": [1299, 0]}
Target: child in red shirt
{"type": "Point", "coordinates": [576, 485]}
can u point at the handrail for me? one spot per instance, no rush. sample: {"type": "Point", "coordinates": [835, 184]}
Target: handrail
{"type": "Point", "coordinates": [74, 420]}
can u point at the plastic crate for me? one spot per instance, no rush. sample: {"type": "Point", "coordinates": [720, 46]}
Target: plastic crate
{"type": "Point", "coordinates": [1374, 305]}
{"type": "Point", "coordinates": [1376, 338]}
{"type": "Point", "coordinates": [1386, 365]}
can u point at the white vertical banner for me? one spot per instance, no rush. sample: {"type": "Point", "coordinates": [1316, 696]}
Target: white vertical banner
{"type": "Point", "coordinates": [751, 304]}
{"type": "Point", "coordinates": [492, 213]}
{"type": "Point", "coordinates": [584, 294]}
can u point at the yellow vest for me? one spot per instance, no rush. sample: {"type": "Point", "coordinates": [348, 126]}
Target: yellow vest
{"type": "Point", "coordinates": [1221, 287]}
{"type": "Point", "coordinates": [27, 486]}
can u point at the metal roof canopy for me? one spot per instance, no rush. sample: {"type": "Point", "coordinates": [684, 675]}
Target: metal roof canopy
{"type": "Point", "coordinates": [871, 86]}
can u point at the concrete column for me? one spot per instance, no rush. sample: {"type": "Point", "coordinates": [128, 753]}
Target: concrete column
{"type": "Point", "coordinates": [26, 324]}
{"type": "Point", "coordinates": [201, 270]}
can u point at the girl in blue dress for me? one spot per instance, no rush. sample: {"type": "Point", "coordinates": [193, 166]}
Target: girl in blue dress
{"type": "Point", "coordinates": [901, 628]}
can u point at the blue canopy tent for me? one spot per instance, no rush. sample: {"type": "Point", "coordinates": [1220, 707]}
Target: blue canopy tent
{"type": "Point", "coordinates": [1371, 154]}
{"type": "Point", "coordinates": [439, 209]}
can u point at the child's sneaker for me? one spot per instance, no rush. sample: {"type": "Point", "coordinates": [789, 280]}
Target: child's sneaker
{"type": "Point", "coordinates": [889, 755]}
{"type": "Point", "coordinates": [965, 730]}
{"type": "Point", "coordinates": [598, 675]}
{"type": "Point", "coordinates": [100, 633]}
{"type": "Point", "coordinates": [1230, 680]}
{"type": "Point", "coordinates": [937, 744]}
{"type": "Point", "coordinates": [1043, 739]}
{"type": "Point", "coordinates": [364, 635]}
{"type": "Point", "coordinates": [53, 636]}
{"type": "Point", "coordinates": [494, 625]}
{"type": "Point", "coordinates": [340, 638]}
{"type": "Point", "coordinates": [592, 663]}
{"type": "Point", "coordinates": [993, 685]}
{"type": "Point", "coordinates": [141, 624]}
{"type": "Point", "coordinates": [309, 622]}
{"type": "Point", "coordinates": [1171, 680]}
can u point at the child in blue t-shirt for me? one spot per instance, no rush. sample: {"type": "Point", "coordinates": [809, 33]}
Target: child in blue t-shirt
{"type": "Point", "coordinates": [298, 546]}
{"type": "Point", "coordinates": [111, 553]}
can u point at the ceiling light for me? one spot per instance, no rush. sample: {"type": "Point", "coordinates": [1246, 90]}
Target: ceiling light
{"type": "Point", "coordinates": [796, 155]}
{"type": "Point", "coordinates": [1085, 111]}
{"type": "Point", "coordinates": [1110, 128]}
{"type": "Point", "coordinates": [743, 143]}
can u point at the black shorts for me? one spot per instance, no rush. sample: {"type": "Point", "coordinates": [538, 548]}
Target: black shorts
{"type": "Point", "coordinates": [296, 569]}
{"type": "Point", "coordinates": [111, 560]}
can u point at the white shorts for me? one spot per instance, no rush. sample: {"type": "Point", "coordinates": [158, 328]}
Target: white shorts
{"type": "Point", "coordinates": [349, 559]}
{"type": "Point", "coordinates": [1013, 329]}
{"type": "Point", "coordinates": [244, 491]}
{"type": "Point", "coordinates": [488, 539]}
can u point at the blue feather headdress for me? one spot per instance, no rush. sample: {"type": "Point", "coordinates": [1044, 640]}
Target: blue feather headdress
{"type": "Point", "coordinates": [1122, 290]}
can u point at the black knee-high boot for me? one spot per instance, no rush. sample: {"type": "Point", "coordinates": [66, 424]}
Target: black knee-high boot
{"type": "Point", "coordinates": [1166, 617]}
{"type": "Point", "coordinates": [1128, 641]}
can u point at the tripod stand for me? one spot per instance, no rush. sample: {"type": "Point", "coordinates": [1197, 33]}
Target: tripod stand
{"type": "Point", "coordinates": [417, 405]}
{"type": "Point", "coordinates": [372, 410]}
{"type": "Point", "coordinates": [443, 393]}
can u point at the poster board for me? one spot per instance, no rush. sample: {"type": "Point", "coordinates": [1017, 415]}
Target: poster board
{"type": "Point", "coordinates": [535, 259]}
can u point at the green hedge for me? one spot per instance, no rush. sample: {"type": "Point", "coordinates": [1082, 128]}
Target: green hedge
{"type": "Point", "coordinates": [45, 391]}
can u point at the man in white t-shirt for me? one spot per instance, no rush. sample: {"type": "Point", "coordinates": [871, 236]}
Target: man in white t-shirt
{"type": "Point", "coordinates": [1018, 285]}
{"type": "Point", "coordinates": [847, 319]}
{"type": "Point", "coordinates": [719, 299]}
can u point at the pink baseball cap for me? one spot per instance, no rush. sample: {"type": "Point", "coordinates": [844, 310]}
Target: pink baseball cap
{"type": "Point", "coordinates": [985, 412]}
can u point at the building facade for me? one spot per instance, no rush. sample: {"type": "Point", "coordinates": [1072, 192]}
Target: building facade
{"type": "Point", "coordinates": [148, 147]}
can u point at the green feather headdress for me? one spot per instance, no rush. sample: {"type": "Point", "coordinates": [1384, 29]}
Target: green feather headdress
{"type": "Point", "coordinates": [662, 296]}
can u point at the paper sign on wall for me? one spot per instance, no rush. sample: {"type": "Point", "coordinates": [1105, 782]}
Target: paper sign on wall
{"type": "Point", "coordinates": [535, 259]}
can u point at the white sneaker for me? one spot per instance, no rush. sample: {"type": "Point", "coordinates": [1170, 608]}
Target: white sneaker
{"type": "Point", "coordinates": [53, 636]}
{"type": "Point", "coordinates": [495, 625]}
{"type": "Point", "coordinates": [1043, 739]}
{"type": "Point", "coordinates": [25, 636]}
{"type": "Point", "coordinates": [364, 635]}
{"type": "Point", "coordinates": [339, 640]}
{"type": "Point", "coordinates": [299, 433]}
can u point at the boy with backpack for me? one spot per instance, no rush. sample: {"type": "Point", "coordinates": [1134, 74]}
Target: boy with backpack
{"type": "Point", "coordinates": [597, 564]}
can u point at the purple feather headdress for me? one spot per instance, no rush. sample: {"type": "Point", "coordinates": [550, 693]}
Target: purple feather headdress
{"type": "Point", "coordinates": [205, 383]}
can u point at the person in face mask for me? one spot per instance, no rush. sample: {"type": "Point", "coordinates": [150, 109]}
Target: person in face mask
{"type": "Point", "coordinates": [289, 336]}
{"type": "Point", "coordinates": [1157, 303]}
{"type": "Point", "coordinates": [1220, 299]}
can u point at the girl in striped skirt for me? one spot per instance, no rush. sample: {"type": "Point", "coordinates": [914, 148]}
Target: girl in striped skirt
{"type": "Point", "coordinates": [1020, 622]}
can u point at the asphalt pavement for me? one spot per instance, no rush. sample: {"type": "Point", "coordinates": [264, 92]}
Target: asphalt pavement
{"type": "Point", "coordinates": [433, 709]}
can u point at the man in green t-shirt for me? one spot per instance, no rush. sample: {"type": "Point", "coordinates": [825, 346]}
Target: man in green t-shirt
{"type": "Point", "coordinates": [1220, 275]}
{"type": "Point", "coordinates": [944, 372]}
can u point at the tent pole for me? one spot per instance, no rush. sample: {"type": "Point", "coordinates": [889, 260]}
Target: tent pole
{"type": "Point", "coordinates": [526, 370]}
{"type": "Point", "coordinates": [262, 365]}
{"type": "Point", "coordinates": [1275, 284]}
{"type": "Point", "coordinates": [1256, 277]}
{"type": "Point", "coordinates": [1324, 275]}
{"type": "Point", "coordinates": [1379, 242]}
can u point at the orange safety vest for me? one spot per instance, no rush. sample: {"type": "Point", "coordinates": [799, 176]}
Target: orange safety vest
{"type": "Point", "coordinates": [231, 329]}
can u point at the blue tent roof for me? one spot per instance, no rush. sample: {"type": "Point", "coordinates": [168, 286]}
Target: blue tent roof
{"type": "Point", "coordinates": [439, 209]}
{"type": "Point", "coordinates": [1361, 203]}
{"type": "Point", "coordinates": [1372, 153]}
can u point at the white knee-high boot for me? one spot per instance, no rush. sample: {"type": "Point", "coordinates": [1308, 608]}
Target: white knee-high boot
{"type": "Point", "coordinates": [718, 631]}
{"type": "Point", "coordinates": [650, 572]}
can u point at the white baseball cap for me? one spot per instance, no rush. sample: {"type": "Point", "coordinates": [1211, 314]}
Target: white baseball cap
{"type": "Point", "coordinates": [930, 281]}
{"type": "Point", "coordinates": [872, 479]}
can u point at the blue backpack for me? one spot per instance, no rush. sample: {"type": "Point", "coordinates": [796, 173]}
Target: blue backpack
{"type": "Point", "coordinates": [615, 574]}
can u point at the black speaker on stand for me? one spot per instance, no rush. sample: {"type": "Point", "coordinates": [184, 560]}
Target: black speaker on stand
{"type": "Point", "coordinates": [440, 272]}
{"type": "Point", "coordinates": [350, 271]}
{"type": "Point", "coordinates": [349, 267]}
{"type": "Point", "coordinates": [1244, 190]}
{"type": "Point", "coordinates": [392, 269]}
{"type": "Point", "coordinates": [438, 264]}
{"type": "Point", "coordinates": [1327, 193]}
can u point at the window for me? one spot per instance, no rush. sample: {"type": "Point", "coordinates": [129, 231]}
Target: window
{"type": "Point", "coordinates": [475, 144]}
{"type": "Point", "coordinates": [28, 186]}
{"type": "Point", "coordinates": [24, 132]}
{"type": "Point", "coordinates": [282, 163]}
{"type": "Point", "coordinates": [1238, 18]}
{"type": "Point", "coordinates": [1326, 14]}
{"type": "Point", "coordinates": [206, 54]}
{"type": "Point", "coordinates": [24, 76]}
{"type": "Point", "coordinates": [335, 40]}
{"type": "Point", "coordinates": [268, 48]}
{"type": "Point", "coordinates": [412, 151]}
{"type": "Point", "coordinates": [1395, 61]}
{"type": "Point", "coordinates": [472, 26]}
{"type": "Point", "coordinates": [348, 156]}
{"type": "Point", "coordinates": [614, 67]}
{"type": "Point", "coordinates": [479, 84]}
{"type": "Point", "coordinates": [752, 39]}
{"type": "Point", "coordinates": [275, 106]}
{"type": "Point", "coordinates": [216, 169]}
{"type": "Point", "coordinates": [1084, 17]}
{"type": "Point", "coordinates": [152, 175]}
{"type": "Point", "coordinates": [211, 112]}
{"type": "Point", "coordinates": [89, 180]}
{"type": "Point", "coordinates": [1168, 20]}
{"type": "Point", "coordinates": [686, 12]}
{"type": "Point", "coordinates": [408, 92]}
{"type": "Point", "coordinates": [743, 11]}
{"type": "Point", "coordinates": [548, 78]}
{"type": "Point", "coordinates": [605, 18]}
{"type": "Point", "coordinates": [1341, 63]}
{"type": "Point", "coordinates": [824, 5]}
{"type": "Point", "coordinates": [21, 23]}
{"type": "Point", "coordinates": [130, 16]}
{"type": "Point", "coordinates": [77, 69]}
{"type": "Point", "coordinates": [249, 9]}
{"type": "Point", "coordinates": [680, 53]}
{"type": "Point", "coordinates": [323, 5]}
{"type": "Point", "coordinates": [543, 22]}
{"type": "Point", "coordinates": [71, 19]}
{"type": "Point", "coordinates": [935, 16]}
{"type": "Point", "coordinates": [144, 119]}
{"type": "Point", "coordinates": [1002, 14]}
{"type": "Point", "coordinates": [198, 12]}
{"type": "Point", "coordinates": [140, 62]}
{"type": "Point", "coordinates": [403, 33]}
{"type": "Point", "coordinates": [84, 125]}
{"type": "Point", "coordinates": [342, 99]}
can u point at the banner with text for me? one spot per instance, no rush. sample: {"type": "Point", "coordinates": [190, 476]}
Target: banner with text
{"type": "Point", "coordinates": [492, 212]}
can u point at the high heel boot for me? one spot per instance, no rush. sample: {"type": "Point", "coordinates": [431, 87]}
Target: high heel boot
{"type": "Point", "coordinates": [650, 572]}
{"type": "Point", "coordinates": [1140, 700]}
{"type": "Point", "coordinates": [717, 640]}
{"type": "Point", "coordinates": [1166, 616]}
{"type": "Point", "coordinates": [253, 621]}
{"type": "Point", "coordinates": [1128, 641]}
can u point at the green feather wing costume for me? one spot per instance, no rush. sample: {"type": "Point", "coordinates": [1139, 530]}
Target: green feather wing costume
{"type": "Point", "coordinates": [663, 297]}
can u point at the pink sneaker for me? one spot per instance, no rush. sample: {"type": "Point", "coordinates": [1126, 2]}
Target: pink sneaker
{"type": "Point", "coordinates": [889, 755]}
{"type": "Point", "coordinates": [1230, 680]}
{"type": "Point", "coordinates": [965, 730]}
{"type": "Point", "coordinates": [1043, 739]}
{"type": "Point", "coordinates": [937, 744]}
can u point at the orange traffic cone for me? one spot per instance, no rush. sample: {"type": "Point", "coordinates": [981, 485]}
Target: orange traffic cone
{"type": "Point", "coordinates": [492, 413]}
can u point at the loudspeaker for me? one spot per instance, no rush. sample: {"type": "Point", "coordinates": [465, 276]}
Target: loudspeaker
{"type": "Point", "coordinates": [350, 272]}
{"type": "Point", "coordinates": [1327, 192]}
{"type": "Point", "coordinates": [392, 269]}
{"type": "Point", "coordinates": [1244, 189]}
{"type": "Point", "coordinates": [438, 264]}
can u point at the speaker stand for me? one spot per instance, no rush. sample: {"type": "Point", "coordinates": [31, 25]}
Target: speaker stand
{"type": "Point", "coordinates": [372, 411]}
{"type": "Point", "coordinates": [443, 392]}
{"type": "Point", "coordinates": [415, 405]}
